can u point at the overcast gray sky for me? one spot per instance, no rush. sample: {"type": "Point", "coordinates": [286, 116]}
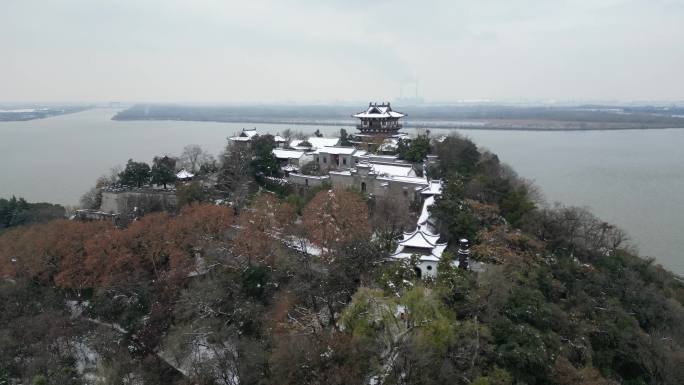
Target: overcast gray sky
{"type": "Point", "coordinates": [327, 50]}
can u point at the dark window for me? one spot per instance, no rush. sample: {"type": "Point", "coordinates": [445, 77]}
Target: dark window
{"type": "Point", "coordinates": [325, 159]}
{"type": "Point", "coordinates": [363, 186]}
{"type": "Point", "coordinates": [344, 160]}
{"type": "Point", "coordinates": [429, 267]}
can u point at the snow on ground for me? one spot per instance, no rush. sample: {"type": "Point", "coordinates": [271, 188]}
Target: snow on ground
{"type": "Point", "coordinates": [303, 245]}
{"type": "Point", "coordinates": [76, 308]}
{"type": "Point", "coordinates": [113, 326]}
{"type": "Point", "coordinates": [199, 354]}
{"type": "Point", "coordinates": [87, 361]}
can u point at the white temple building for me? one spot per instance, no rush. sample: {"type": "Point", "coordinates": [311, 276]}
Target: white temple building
{"type": "Point", "coordinates": [425, 246]}
{"type": "Point", "coordinates": [423, 242]}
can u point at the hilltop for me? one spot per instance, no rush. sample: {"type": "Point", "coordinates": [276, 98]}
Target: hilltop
{"type": "Point", "coordinates": [294, 286]}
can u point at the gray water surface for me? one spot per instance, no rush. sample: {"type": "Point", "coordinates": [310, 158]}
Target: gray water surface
{"type": "Point", "coordinates": [632, 178]}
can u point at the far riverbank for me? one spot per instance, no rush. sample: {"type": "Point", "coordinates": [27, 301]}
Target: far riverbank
{"type": "Point", "coordinates": [475, 117]}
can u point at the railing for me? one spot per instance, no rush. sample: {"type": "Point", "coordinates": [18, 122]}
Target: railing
{"type": "Point", "coordinates": [382, 127]}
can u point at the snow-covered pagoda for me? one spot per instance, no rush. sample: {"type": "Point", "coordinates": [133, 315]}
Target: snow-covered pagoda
{"type": "Point", "coordinates": [379, 120]}
{"type": "Point", "coordinates": [424, 245]}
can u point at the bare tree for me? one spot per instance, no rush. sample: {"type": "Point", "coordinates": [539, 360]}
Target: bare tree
{"type": "Point", "coordinates": [389, 218]}
{"type": "Point", "coordinates": [193, 156]}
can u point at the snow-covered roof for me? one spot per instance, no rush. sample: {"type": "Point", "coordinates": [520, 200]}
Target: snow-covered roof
{"type": "Point", "coordinates": [290, 168]}
{"type": "Point", "coordinates": [287, 154]}
{"type": "Point", "coordinates": [246, 135]}
{"type": "Point", "coordinates": [183, 174]}
{"type": "Point", "coordinates": [249, 132]}
{"type": "Point", "coordinates": [419, 239]}
{"type": "Point", "coordinates": [422, 243]}
{"type": "Point", "coordinates": [393, 169]}
{"type": "Point", "coordinates": [434, 188]}
{"type": "Point", "coordinates": [316, 142]}
{"type": "Point", "coordinates": [378, 111]}
{"type": "Point", "coordinates": [380, 158]}
{"type": "Point", "coordinates": [434, 255]}
{"type": "Point", "coordinates": [345, 173]}
{"type": "Point", "coordinates": [336, 150]}
{"type": "Point", "coordinates": [279, 139]}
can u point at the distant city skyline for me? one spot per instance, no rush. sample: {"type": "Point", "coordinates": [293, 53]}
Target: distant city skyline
{"type": "Point", "coordinates": [264, 51]}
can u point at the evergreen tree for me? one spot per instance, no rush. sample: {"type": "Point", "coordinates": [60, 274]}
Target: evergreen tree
{"type": "Point", "coordinates": [163, 170]}
{"type": "Point", "coordinates": [264, 162]}
{"type": "Point", "coordinates": [415, 150]}
{"type": "Point", "coordinates": [344, 138]}
{"type": "Point", "coordinates": [135, 174]}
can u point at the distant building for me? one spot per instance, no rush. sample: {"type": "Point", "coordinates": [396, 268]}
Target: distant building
{"type": "Point", "coordinates": [280, 141]}
{"type": "Point", "coordinates": [315, 142]}
{"type": "Point", "coordinates": [378, 124]}
{"type": "Point", "coordinates": [184, 175]}
{"type": "Point", "coordinates": [379, 119]}
{"type": "Point", "coordinates": [247, 135]}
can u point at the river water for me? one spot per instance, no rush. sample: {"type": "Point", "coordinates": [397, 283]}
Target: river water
{"type": "Point", "coordinates": [632, 178]}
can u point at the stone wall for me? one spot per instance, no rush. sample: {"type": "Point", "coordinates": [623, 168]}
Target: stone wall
{"type": "Point", "coordinates": [307, 180]}
{"type": "Point", "coordinates": [362, 180]}
{"type": "Point", "coordinates": [124, 201]}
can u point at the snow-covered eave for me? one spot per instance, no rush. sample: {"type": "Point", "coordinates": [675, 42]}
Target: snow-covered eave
{"type": "Point", "coordinates": [381, 115]}
{"type": "Point", "coordinates": [426, 258]}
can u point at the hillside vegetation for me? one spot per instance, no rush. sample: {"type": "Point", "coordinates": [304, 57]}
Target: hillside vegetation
{"type": "Point", "coordinates": [292, 288]}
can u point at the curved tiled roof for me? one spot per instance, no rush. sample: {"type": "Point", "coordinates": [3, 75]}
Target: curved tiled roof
{"type": "Point", "coordinates": [420, 239]}
{"type": "Point", "coordinates": [378, 111]}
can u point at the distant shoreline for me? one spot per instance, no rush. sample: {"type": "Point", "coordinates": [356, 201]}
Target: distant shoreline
{"type": "Point", "coordinates": [36, 114]}
{"type": "Point", "coordinates": [409, 126]}
{"type": "Point", "coordinates": [490, 117]}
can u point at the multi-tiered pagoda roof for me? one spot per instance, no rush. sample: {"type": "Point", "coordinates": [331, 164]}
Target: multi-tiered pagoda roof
{"type": "Point", "coordinates": [379, 119]}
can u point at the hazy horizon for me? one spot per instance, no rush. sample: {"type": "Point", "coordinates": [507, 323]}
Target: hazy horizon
{"type": "Point", "coordinates": [216, 52]}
